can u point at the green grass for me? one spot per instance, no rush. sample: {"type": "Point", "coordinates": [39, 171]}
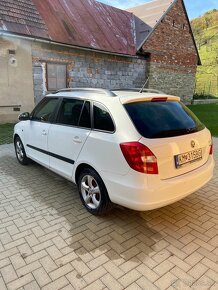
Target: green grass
{"type": "Point", "coordinates": [6, 133]}
{"type": "Point", "coordinates": [208, 114]}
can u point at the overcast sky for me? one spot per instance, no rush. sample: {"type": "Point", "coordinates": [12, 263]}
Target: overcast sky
{"type": "Point", "coordinates": [195, 8]}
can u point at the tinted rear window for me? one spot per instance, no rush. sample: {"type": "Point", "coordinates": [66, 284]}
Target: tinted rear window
{"type": "Point", "coordinates": [70, 112]}
{"type": "Point", "coordinates": [163, 119]}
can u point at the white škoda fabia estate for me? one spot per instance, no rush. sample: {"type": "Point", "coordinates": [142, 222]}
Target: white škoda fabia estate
{"type": "Point", "coordinates": [139, 150]}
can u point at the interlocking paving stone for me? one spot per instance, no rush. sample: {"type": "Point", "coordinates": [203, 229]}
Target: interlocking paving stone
{"type": "Point", "coordinates": [49, 241]}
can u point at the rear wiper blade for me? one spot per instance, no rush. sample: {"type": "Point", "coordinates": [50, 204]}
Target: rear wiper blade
{"type": "Point", "coordinates": [191, 130]}
{"type": "Point", "coordinates": [176, 132]}
{"type": "Point", "coordinates": [170, 133]}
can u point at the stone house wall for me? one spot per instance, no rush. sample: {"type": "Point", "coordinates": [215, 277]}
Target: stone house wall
{"type": "Point", "coordinates": [86, 68]}
{"type": "Point", "coordinates": [173, 57]}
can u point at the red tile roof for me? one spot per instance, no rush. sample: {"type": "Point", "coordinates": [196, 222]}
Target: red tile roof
{"type": "Point", "coordinates": [84, 23]}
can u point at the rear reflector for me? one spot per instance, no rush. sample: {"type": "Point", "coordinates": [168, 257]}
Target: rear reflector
{"type": "Point", "coordinates": [164, 99]}
{"type": "Point", "coordinates": [139, 157]}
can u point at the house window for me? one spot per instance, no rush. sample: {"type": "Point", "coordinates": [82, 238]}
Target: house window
{"type": "Point", "coordinates": [56, 76]}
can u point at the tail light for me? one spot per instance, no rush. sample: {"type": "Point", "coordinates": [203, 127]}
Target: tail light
{"type": "Point", "coordinates": [211, 149]}
{"type": "Point", "coordinates": [139, 157]}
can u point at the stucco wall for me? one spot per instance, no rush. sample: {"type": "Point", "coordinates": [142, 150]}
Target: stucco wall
{"type": "Point", "coordinates": [16, 83]}
{"type": "Point", "coordinates": [87, 69]}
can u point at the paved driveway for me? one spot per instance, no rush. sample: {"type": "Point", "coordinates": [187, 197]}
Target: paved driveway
{"type": "Point", "coordinates": [49, 241]}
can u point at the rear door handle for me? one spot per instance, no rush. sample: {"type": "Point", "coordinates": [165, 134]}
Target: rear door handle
{"type": "Point", "coordinates": [76, 139]}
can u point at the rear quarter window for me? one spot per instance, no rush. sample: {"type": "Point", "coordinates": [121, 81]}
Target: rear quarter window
{"type": "Point", "coordinates": [102, 119]}
{"type": "Point", "coordinates": [163, 119]}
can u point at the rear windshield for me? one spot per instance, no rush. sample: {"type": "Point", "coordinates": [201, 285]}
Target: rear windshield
{"type": "Point", "coordinates": [163, 119]}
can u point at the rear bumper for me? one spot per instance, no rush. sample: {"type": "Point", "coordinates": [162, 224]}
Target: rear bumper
{"type": "Point", "coordinates": [142, 192]}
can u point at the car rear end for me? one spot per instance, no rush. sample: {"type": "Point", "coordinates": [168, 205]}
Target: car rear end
{"type": "Point", "coordinates": [172, 159]}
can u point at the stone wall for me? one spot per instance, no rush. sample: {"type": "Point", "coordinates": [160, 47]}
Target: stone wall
{"type": "Point", "coordinates": [173, 55]}
{"type": "Point", "coordinates": [205, 102]}
{"type": "Point", "coordinates": [173, 80]}
{"type": "Point", "coordinates": [87, 69]}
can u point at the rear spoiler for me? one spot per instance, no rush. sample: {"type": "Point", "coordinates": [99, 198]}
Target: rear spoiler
{"type": "Point", "coordinates": [156, 98]}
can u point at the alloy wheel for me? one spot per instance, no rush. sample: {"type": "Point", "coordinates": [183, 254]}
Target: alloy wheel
{"type": "Point", "coordinates": [90, 192]}
{"type": "Point", "coordinates": [19, 150]}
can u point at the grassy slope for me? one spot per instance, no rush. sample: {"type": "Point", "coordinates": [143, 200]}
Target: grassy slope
{"type": "Point", "coordinates": [205, 30]}
{"type": "Point", "coordinates": [208, 114]}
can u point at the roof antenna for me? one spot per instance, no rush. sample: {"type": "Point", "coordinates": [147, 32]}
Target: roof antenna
{"type": "Point", "coordinates": [141, 91]}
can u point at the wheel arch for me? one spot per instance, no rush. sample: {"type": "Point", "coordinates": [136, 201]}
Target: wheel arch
{"type": "Point", "coordinates": [15, 136]}
{"type": "Point", "coordinates": [80, 168]}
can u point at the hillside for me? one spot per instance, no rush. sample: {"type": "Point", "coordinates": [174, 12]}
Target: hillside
{"type": "Point", "coordinates": [205, 29]}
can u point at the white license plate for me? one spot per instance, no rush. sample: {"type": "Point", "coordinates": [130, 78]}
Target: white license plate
{"type": "Point", "coordinates": [188, 157]}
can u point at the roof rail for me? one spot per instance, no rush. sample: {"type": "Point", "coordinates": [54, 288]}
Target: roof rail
{"type": "Point", "coordinates": [91, 90]}
{"type": "Point", "coordinates": [139, 90]}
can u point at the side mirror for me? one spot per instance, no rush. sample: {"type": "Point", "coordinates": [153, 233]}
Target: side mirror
{"type": "Point", "coordinates": [24, 116]}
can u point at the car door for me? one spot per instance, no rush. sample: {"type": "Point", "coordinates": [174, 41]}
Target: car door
{"type": "Point", "coordinates": [68, 135]}
{"type": "Point", "coordinates": [36, 134]}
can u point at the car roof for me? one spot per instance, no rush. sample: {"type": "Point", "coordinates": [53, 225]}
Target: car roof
{"type": "Point", "coordinates": [124, 95]}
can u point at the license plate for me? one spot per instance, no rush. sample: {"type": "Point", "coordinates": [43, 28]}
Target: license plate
{"type": "Point", "coordinates": [188, 157]}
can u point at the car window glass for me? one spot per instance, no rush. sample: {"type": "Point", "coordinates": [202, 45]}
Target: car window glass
{"type": "Point", "coordinates": [102, 119]}
{"type": "Point", "coordinates": [85, 119]}
{"type": "Point", "coordinates": [163, 119]}
{"type": "Point", "coordinates": [44, 111]}
{"type": "Point", "coordinates": [70, 112]}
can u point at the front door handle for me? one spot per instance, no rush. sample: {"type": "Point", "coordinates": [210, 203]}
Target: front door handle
{"type": "Point", "coordinates": [44, 133]}
{"type": "Point", "coordinates": [76, 139]}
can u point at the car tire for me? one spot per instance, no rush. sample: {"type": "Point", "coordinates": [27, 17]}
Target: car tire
{"type": "Point", "coordinates": [93, 192]}
{"type": "Point", "coordinates": [20, 152]}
